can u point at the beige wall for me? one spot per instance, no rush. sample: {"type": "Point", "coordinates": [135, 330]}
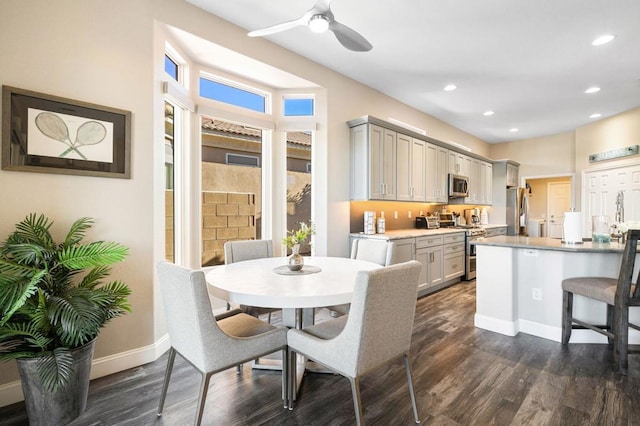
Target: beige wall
{"type": "Point", "coordinates": [91, 52]}
{"type": "Point", "coordinates": [545, 156]}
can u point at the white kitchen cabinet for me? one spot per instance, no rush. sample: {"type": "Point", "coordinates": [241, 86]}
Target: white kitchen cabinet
{"type": "Point", "coordinates": [457, 163]}
{"type": "Point", "coordinates": [373, 163]}
{"type": "Point", "coordinates": [404, 250]}
{"type": "Point", "coordinates": [512, 174]}
{"type": "Point", "coordinates": [472, 169]}
{"type": "Point", "coordinates": [429, 252]}
{"type": "Point", "coordinates": [411, 161]}
{"type": "Point", "coordinates": [488, 184]}
{"type": "Point", "coordinates": [495, 230]}
{"type": "Point", "coordinates": [453, 256]}
{"type": "Point", "coordinates": [437, 169]}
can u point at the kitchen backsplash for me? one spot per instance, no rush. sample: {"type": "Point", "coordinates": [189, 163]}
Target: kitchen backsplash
{"type": "Point", "coordinates": [403, 209]}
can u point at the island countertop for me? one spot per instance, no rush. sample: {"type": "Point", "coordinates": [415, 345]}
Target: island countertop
{"type": "Point", "coordinates": [544, 243]}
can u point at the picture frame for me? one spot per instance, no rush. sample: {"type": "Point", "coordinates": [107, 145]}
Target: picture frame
{"type": "Point", "coordinates": [49, 134]}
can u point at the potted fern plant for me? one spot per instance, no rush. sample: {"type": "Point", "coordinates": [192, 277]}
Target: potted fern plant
{"type": "Point", "coordinates": [53, 303]}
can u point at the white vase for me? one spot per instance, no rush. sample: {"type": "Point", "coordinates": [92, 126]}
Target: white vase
{"type": "Point", "coordinates": [296, 261]}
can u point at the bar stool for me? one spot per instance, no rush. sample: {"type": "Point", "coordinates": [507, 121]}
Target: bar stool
{"type": "Point", "coordinates": [619, 294]}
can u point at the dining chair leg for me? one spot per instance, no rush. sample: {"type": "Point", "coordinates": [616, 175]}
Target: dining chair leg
{"type": "Point", "coordinates": [293, 379]}
{"type": "Point", "coordinates": [567, 314]}
{"type": "Point", "coordinates": [357, 403]}
{"type": "Point", "coordinates": [202, 398]}
{"type": "Point", "coordinates": [167, 378]}
{"type": "Point", "coordinates": [407, 367]}
{"type": "Point", "coordinates": [285, 377]}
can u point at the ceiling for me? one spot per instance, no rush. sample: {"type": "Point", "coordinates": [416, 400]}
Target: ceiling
{"type": "Point", "coordinates": [529, 62]}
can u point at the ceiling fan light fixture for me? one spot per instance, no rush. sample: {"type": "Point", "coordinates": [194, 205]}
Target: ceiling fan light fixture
{"type": "Point", "coordinates": [603, 39]}
{"type": "Point", "coordinates": [318, 23]}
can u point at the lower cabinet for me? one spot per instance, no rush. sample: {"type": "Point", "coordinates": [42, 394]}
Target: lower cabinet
{"type": "Point", "coordinates": [404, 250]}
{"type": "Point", "coordinates": [429, 252]}
{"type": "Point", "coordinates": [453, 263]}
{"type": "Point", "coordinates": [441, 256]}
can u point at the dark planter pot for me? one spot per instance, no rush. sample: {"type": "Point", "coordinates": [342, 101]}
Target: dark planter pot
{"type": "Point", "coordinates": [63, 405]}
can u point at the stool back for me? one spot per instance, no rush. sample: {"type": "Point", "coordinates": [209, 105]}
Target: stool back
{"type": "Point", "coordinates": [625, 279]}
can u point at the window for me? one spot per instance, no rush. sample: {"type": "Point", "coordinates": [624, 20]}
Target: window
{"type": "Point", "coordinates": [169, 134]}
{"type": "Point", "coordinates": [171, 67]}
{"type": "Point", "coordinates": [232, 191]}
{"type": "Point", "coordinates": [232, 95]}
{"type": "Point", "coordinates": [298, 107]}
{"type": "Point", "coordinates": [299, 181]}
{"type": "Point", "coordinates": [243, 160]}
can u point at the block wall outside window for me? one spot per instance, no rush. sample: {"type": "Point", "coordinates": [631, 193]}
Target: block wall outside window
{"type": "Point", "coordinates": [226, 216]}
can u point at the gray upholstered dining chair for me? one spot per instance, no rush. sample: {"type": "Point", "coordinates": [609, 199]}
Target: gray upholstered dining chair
{"type": "Point", "coordinates": [375, 251]}
{"type": "Point", "coordinates": [366, 338]}
{"type": "Point", "coordinates": [618, 293]}
{"type": "Point", "coordinates": [237, 251]}
{"type": "Point", "coordinates": [209, 344]}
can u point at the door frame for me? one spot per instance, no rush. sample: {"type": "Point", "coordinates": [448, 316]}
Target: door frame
{"type": "Point", "coordinates": [572, 184]}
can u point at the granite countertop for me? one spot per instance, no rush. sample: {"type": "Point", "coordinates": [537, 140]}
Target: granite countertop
{"type": "Point", "coordinates": [408, 233]}
{"type": "Point", "coordinates": [412, 233]}
{"type": "Point", "coordinates": [543, 243]}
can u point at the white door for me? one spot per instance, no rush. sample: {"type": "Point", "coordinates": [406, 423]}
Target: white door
{"type": "Point", "coordinates": [558, 202]}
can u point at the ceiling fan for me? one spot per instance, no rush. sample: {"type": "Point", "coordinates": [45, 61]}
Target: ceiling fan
{"type": "Point", "coordinates": [319, 19]}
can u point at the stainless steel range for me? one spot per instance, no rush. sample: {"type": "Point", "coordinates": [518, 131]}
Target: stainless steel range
{"type": "Point", "coordinates": [472, 233]}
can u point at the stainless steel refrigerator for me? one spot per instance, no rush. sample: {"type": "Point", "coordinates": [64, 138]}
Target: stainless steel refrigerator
{"type": "Point", "coordinates": [517, 211]}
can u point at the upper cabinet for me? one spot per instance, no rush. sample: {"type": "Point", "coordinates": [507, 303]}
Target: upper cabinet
{"type": "Point", "coordinates": [390, 164]}
{"type": "Point", "coordinates": [373, 163]}
{"type": "Point", "coordinates": [505, 174]}
{"type": "Point", "coordinates": [512, 174]}
{"type": "Point", "coordinates": [410, 169]}
{"type": "Point", "coordinates": [437, 173]}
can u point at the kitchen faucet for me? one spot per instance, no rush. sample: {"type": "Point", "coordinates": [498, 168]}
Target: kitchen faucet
{"type": "Point", "coordinates": [620, 207]}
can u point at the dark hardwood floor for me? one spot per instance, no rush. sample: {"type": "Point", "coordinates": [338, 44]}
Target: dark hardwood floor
{"type": "Point", "coordinates": [462, 376]}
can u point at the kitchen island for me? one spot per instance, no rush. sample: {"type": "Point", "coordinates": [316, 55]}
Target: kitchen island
{"type": "Point", "coordinates": [519, 285]}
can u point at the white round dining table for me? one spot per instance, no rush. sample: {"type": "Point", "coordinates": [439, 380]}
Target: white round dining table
{"type": "Point", "coordinates": [255, 283]}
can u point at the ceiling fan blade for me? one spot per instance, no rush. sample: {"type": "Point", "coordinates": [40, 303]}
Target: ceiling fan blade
{"type": "Point", "coordinates": [279, 27]}
{"type": "Point", "coordinates": [350, 38]}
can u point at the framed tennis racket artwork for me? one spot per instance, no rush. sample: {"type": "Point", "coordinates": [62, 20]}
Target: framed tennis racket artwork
{"type": "Point", "coordinates": [49, 134]}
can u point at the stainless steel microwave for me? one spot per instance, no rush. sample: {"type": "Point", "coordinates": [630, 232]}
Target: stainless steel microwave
{"type": "Point", "coordinates": [458, 186]}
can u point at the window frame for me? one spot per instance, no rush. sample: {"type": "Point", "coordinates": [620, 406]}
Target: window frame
{"type": "Point", "coordinates": [238, 85]}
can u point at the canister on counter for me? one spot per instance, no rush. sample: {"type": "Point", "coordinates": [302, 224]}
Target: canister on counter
{"type": "Point", "coordinates": [381, 224]}
{"type": "Point", "coordinates": [369, 222]}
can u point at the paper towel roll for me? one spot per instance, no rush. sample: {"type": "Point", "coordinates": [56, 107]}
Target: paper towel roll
{"type": "Point", "coordinates": [484, 217]}
{"type": "Point", "coordinates": [572, 228]}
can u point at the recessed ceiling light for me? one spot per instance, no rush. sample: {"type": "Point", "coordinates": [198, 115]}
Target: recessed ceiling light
{"type": "Point", "coordinates": [450, 87]}
{"type": "Point", "coordinates": [513, 130]}
{"type": "Point", "coordinates": [603, 39]}
{"type": "Point", "coordinates": [593, 89]}
{"type": "Point", "coordinates": [487, 113]}
{"type": "Point", "coordinates": [596, 115]}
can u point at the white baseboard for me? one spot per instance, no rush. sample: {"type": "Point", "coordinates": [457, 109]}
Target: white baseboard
{"type": "Point", "coordinates": [541, 330]}
{"type": "Point", "coordinates": [11, 393]}
{"type": "Point", "coordinates": [545, 331]}
{"type": "Point", "coordinates": [509, 328]}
